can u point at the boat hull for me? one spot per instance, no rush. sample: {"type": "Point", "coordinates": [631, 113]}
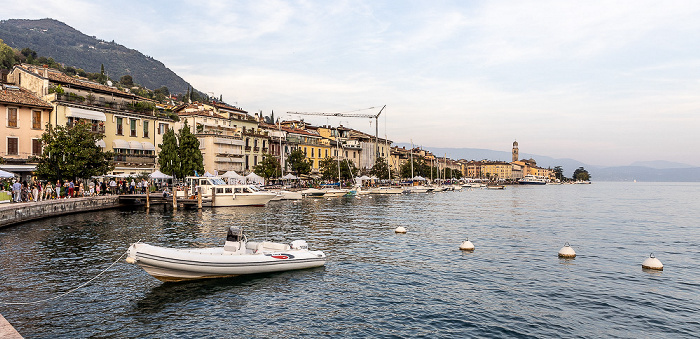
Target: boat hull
{"type": "Point", "coordinates": [168, 264]}
{"type": "Point", "coordinates": [242, 199]}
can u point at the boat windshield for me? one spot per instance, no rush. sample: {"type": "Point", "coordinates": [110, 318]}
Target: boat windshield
{"type": "Point", "coordinates": [216, 181]}
{"type": "Point", "coordinates": [234, 234]}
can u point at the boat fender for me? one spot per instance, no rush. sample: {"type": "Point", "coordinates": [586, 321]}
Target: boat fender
{"type": "Point", "coordinates": [130, 260]}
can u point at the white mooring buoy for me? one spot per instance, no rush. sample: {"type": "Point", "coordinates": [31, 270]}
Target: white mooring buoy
{"type": "Point", "coordinates": [466, 245]}
{"type": "Point", "coordinates": [652, 263]}
{"type": "Point", "coordinates": [400, 229]}
{"type": "Point", "coordinates": [567, 252]}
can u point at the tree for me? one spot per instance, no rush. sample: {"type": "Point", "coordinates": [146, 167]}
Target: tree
{"type": "Point", "coordinates": [329, 168]}
{"type": "Point", "coordinates": [580, 174]}
{"type": "Point", "coordinates": [380, 169]}
{"type": "Point", "coordinates": [71, 152]}
{"type": "Point", "coordinates": [558, 172]}
{"type": "Point", "coordinates": [169, 157]}
{"type": "Point", "coordinates": [347, 169]}
{"type": "Point", "coordinates": [269, 167]}
{"type": "Point", "coordinates": [7, 56]}
{"type": "Point", "coordinates": [191, 159]}
{"type": "Point", "coordinates": [298, 163]}
{"type": "Point", "coordinates": [127, 81]}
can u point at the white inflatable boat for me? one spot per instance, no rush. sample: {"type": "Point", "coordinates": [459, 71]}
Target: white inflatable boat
{"type": "Point", "coordinates": [238, 256]}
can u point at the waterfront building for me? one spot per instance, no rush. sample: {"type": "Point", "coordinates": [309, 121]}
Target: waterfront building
{"type": "Point", "coordinates": [132, 125]}
{"type": "Point", "coordinates": [25, 118]}
{"type": "Point", "coordinates": [370, 148]}
{"type": "Point", "coordinates": [338, 139]}
{"type": "Point", "coordinates": [399, 156]}
{"type": "Point", "coordinates": [497, 170]}
{"type": "Point", "coordinates": [278, 142]}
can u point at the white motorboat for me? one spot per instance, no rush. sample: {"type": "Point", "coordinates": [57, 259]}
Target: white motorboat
{"type": "Point", "coordinates": [386, 190]}
{"type": "Point", "coordinates": [217, 193]}
{"type": "Point", "coordinates": [313, 193]}
{"type": "Point", "coordinates": [533, 180]}
{"type": "Point", "coordinates": [335, 192]}
{"type": "Point", "coordinates": [290, 195]}
{"type": "Point", "coordinates": [419, 189]}
{"type": "Point", "coordinates": [237, 257]}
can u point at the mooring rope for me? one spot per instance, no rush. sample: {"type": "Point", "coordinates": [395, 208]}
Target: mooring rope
{"type": "Point", "coordinates": [71, 290]}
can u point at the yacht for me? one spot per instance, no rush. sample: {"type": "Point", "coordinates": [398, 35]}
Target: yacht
{"type": "Point", "coordinates": [217, 193]}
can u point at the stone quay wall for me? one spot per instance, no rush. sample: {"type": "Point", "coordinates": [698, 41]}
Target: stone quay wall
{"type": "Point", "coordinates": [14, 213]}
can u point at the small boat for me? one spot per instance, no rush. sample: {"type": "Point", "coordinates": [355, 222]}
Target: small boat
{"type": "Point", "coordinates": [386, 190]}
{"type": "Point", "coordinates": [496, 187]}
{"type": "Point", "coordinates": [419, 189]}
{"type": "Point", "coordinates": [313, 193]}
{"type": "Point", "coordinates": [217, 193]}
{"type": "Point", "coordinates": [334, 192]}
{"type": "Point", "coordinates": [238, 256]}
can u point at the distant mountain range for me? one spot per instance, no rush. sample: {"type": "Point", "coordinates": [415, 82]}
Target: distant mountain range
{"type": "Point", "coordinates": [656, 171]}
{"type": "Point", "coordinates": [66, 45]}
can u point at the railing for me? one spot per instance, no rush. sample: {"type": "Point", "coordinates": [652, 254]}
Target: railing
{"type": "Point", "coordinates": [95, 128]}
{"type": "Point", "coordinates": [256, 149]}
{"type": "Point", "coordinates": [247, 148]}
{"type": "Point", "coordinates": [135, 159]}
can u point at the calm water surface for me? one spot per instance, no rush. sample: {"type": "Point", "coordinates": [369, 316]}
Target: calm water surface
{"type": "Point", "coordinates": [377, 283]}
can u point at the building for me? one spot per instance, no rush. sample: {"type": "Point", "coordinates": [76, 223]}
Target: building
{"type": "Point", "coordinates": [497, 170]}
{"type": "Point", "coordinates": [25, 118]}
{"type": "Point", "coordinates": [132, 125]}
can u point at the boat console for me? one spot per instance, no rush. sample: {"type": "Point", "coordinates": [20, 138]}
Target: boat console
{"type": "Point", "coordinates": [234, 239]}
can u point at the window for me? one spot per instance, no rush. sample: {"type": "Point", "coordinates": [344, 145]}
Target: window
{"type": "Point", "coordinates": [132, 127]}
{"type": "Point", "coordinates": [36, 119]}
{"type": "Point", "coordinates": [162, 128]}
{"type": "Point", "coordinates": [145, 129]}
{"type": "Point", "coordinates": [12, 117]}
{"type": "Point", "coordinates": [312, 153]}
{"type": "Point", "coordinates": [326, 153]}
{"type": "Point", "coordinates": [120, 129]}
{"type": "Point", "coordinates": [12, 146]}
{"type": "Point", "coordinates": [255, 160]}
{"type": "Point", "coordinates": [36, 147]}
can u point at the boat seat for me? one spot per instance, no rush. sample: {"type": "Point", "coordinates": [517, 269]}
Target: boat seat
{"type": "Point", "coordinates": [275, 246]}
{"type": "Point", "coordinates": [231, 246]}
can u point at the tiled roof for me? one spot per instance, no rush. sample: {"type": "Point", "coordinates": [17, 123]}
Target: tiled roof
{"type": "Point", "coordinates": [61, 78]}
{"type": "Point", "coordinates": [222, 105]}
{"type": "Point", "coordinates": [299, 131]}
{"type": "Point", "coordinates": [21, 97]}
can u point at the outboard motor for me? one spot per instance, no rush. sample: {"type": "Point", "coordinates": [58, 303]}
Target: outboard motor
{"type": "Point", "coordinates": [299, 245]}
{"type": "Point", "coordinates": [234, 239]}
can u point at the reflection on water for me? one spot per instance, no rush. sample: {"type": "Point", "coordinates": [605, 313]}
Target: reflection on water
{"type": "Point", "coordinates": [378, 283]}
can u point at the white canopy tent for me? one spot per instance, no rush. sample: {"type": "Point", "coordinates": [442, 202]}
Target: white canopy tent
{"type": "Point", "coordinates": [290, 176]}
{"type": "Point", "coordinates": [419, 178]}
{"type": "Point", "coordinates": [253, 178]}
{"type": "Point", "coordinates": [159, 175]}
{"type": "Point", "coordinates": [207, 174]}
{"type": "Point", "coordinates": [6, 174]}
{"type": "Point", "coordinates": [234, 178]}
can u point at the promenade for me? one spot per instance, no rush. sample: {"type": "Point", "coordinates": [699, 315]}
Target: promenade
{"type": "Point", "coordinates": [14, 213]}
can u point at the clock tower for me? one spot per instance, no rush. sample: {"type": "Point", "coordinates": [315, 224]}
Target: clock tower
{"type": "Point", "coordinates": [515, 151]}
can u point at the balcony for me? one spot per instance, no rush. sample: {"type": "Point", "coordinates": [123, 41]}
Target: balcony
{"type": "Point", "coordinates": [138, 160]}
{"type": "Point", "coordinates": [265, 149]}
{"type": "Point", "coordinates": [256, 149]}
{"type": "Point", "coordinates": [95, 128]}
{"type": "Point", "coordinates": [247, 148]}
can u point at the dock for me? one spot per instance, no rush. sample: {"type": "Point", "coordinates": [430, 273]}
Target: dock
{"type": "Point", "coordinates": [7, 331]}
{"type": "Point", "coordinates": [14, 213]}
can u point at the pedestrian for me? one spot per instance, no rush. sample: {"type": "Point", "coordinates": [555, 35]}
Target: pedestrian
{"type": "Point", "coordinates": [71, 189]}
{"type": "Point", "coordinates": [16, 191]}
{"type": "Point", "coordinates": [35, 192]}
{"type": "Point", "coordinates": [113, 186]}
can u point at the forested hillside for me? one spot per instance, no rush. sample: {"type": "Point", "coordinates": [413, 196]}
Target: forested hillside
{"type": "Point", "coordinates": [52, 38]}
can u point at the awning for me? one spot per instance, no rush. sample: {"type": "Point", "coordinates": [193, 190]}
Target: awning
{"type": "Point", "coordinates": [101, 143]}
{"type": "Point", "coordinates": [147, 146]}
{"type": "Point", "coordinates": [18, 168]}
{"type": "Point", "coordinates": [121, 144]}
{"type": "Point", "coordinates": [135, 145]}
{"type": "Point", "coordinates": [85, 114]}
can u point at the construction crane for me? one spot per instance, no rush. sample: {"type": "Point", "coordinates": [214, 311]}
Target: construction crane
{"type": "Point", "coordinates": [353, 115]}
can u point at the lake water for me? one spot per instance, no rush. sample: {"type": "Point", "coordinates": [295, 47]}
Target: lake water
{"type": "Point", "coordinates": [378, 283]}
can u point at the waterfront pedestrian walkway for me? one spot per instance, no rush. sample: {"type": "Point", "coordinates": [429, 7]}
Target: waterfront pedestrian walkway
{"type": "Point", "coordinates": [7, 331]}
{"type": "Point", "coordinates": [14, 213]}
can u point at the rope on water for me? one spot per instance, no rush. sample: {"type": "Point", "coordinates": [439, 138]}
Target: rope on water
{"type": "Point", "coordinates": [71, 290]}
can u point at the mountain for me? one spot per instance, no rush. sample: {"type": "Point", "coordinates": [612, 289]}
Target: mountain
{"type": "Point", "coordinates": [66, 45]}
{"type": "Point", "coordinates": [649, 171]}
{"type": "Point", "coordinates": [660, 164]}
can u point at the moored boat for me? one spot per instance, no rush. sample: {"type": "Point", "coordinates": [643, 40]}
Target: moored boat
{"type": "Point", "coordinates": [533, 180]}
{"type": "Point", "coordinates": [218, 193]}
{"type": "Point", "coordinates": [238, 256]}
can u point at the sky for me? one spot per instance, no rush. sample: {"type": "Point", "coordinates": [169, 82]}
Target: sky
{"type": "Point", "coordinates": [607, 83]}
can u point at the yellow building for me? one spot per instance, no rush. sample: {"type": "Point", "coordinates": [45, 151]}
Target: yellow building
{"type": "Point", "coordinates": [131, 125]}
{"type": "Point", "coordinates": [496, 170]}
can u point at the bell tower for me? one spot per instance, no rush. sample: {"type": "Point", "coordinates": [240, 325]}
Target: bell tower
{"type": "Point", "coordinates": [515, 151]}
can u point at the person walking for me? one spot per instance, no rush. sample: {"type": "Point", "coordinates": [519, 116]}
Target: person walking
{"type": "Point", "coordinates": [17, 191]}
